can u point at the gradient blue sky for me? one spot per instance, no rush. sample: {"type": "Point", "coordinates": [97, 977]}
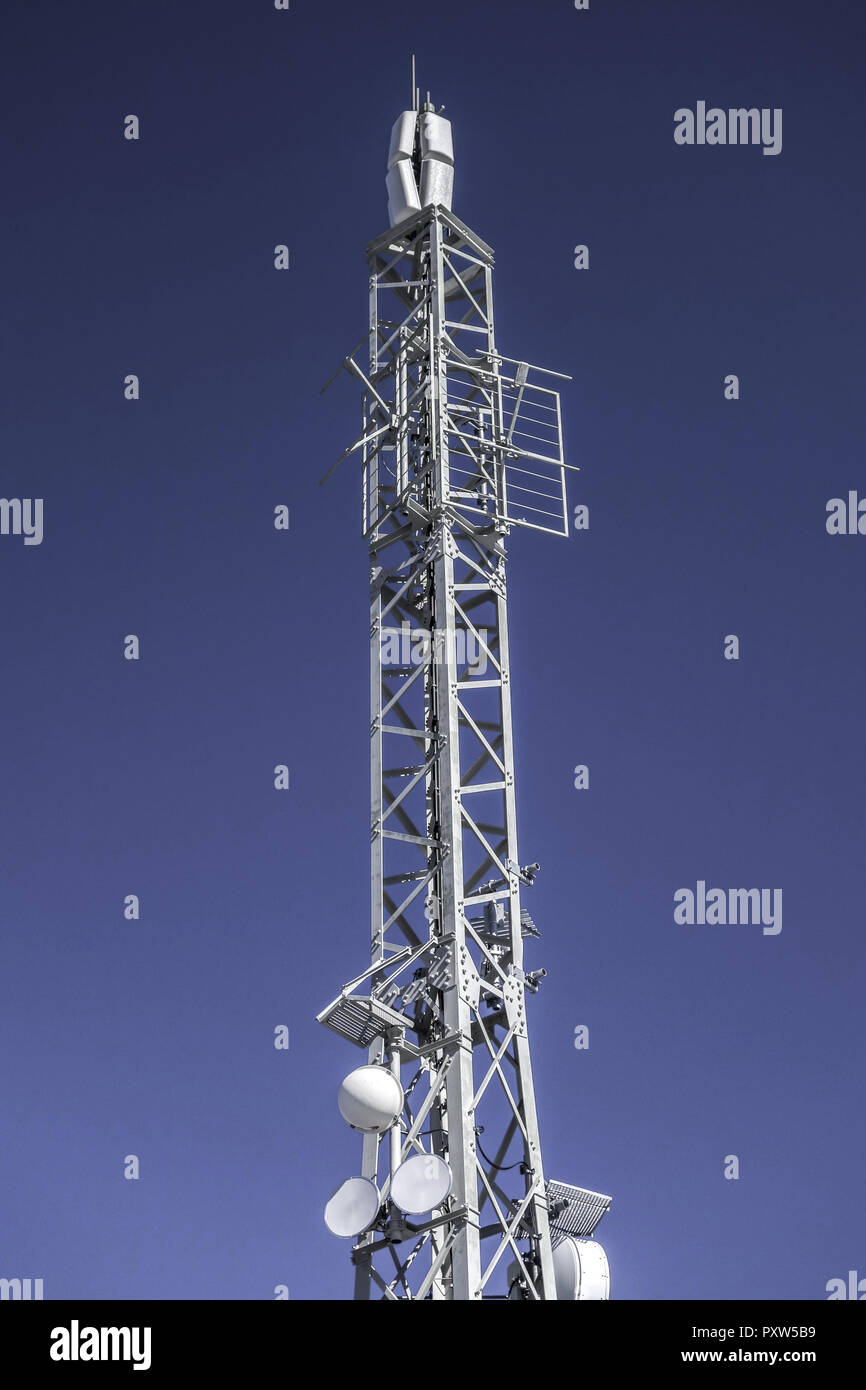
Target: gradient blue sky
{"type": "Point", "coordinates": [707, 517]}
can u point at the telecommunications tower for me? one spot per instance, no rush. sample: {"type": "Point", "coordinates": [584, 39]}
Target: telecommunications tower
{"type": "Point", "coordinates": [458, 445]}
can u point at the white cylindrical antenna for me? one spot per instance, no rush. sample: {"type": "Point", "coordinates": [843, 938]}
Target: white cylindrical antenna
{"type": "Point", "coordinates": [414, 89]}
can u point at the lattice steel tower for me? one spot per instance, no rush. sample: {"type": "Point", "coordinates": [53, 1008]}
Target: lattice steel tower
{"type": "Point", "coordinates": [458, 444]}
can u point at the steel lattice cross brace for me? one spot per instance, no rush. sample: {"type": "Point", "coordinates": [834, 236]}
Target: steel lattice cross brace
{"type": "Point", "coordinates": [458, 445]}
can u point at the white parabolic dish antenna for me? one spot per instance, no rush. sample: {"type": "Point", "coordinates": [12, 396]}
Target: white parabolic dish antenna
{"type": "Point", "coordinates": [352, 1208]}
{"type": "Point", "coordinates": [421, 1183]}
{"type": "Point", "coordinates": [581, 1271]}
{"type": "Point", "coordinates": [370, 1099]}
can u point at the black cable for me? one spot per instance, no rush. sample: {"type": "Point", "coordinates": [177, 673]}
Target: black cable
{"type": "Point", "coordinates": [500, 1167]}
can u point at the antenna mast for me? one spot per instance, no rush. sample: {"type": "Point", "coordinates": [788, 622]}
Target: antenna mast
{"type": "Point", "coordinates": [459, 444]}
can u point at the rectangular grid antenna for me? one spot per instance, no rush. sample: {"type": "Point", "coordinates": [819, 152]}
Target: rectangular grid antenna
{"type": "Point", "coordinates": [581, 1214]}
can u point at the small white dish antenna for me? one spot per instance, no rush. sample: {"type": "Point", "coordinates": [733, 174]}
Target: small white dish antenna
{"type": "Point", "coordinates": [421, 1184]}
{"type": "Point", "coordinates": [352, 1208]}
{"type": "Point", "coordinates": [581, 1271]}
{"type": "Point", "coordinates": [370, 1099]}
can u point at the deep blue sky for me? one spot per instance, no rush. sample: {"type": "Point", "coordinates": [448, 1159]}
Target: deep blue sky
{"type": "Point", "coordinates": [706, 518]}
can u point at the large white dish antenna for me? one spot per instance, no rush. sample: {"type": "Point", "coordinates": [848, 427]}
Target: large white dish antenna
{"type": "Point", "coordinates": [352, 1208]}
{"type": "Point", "coordinates": [421, 1183]}
{"type": "Point", "coordinates": [581, 1271]}
{"type": "Point", "coordinates": [370, 1099]}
